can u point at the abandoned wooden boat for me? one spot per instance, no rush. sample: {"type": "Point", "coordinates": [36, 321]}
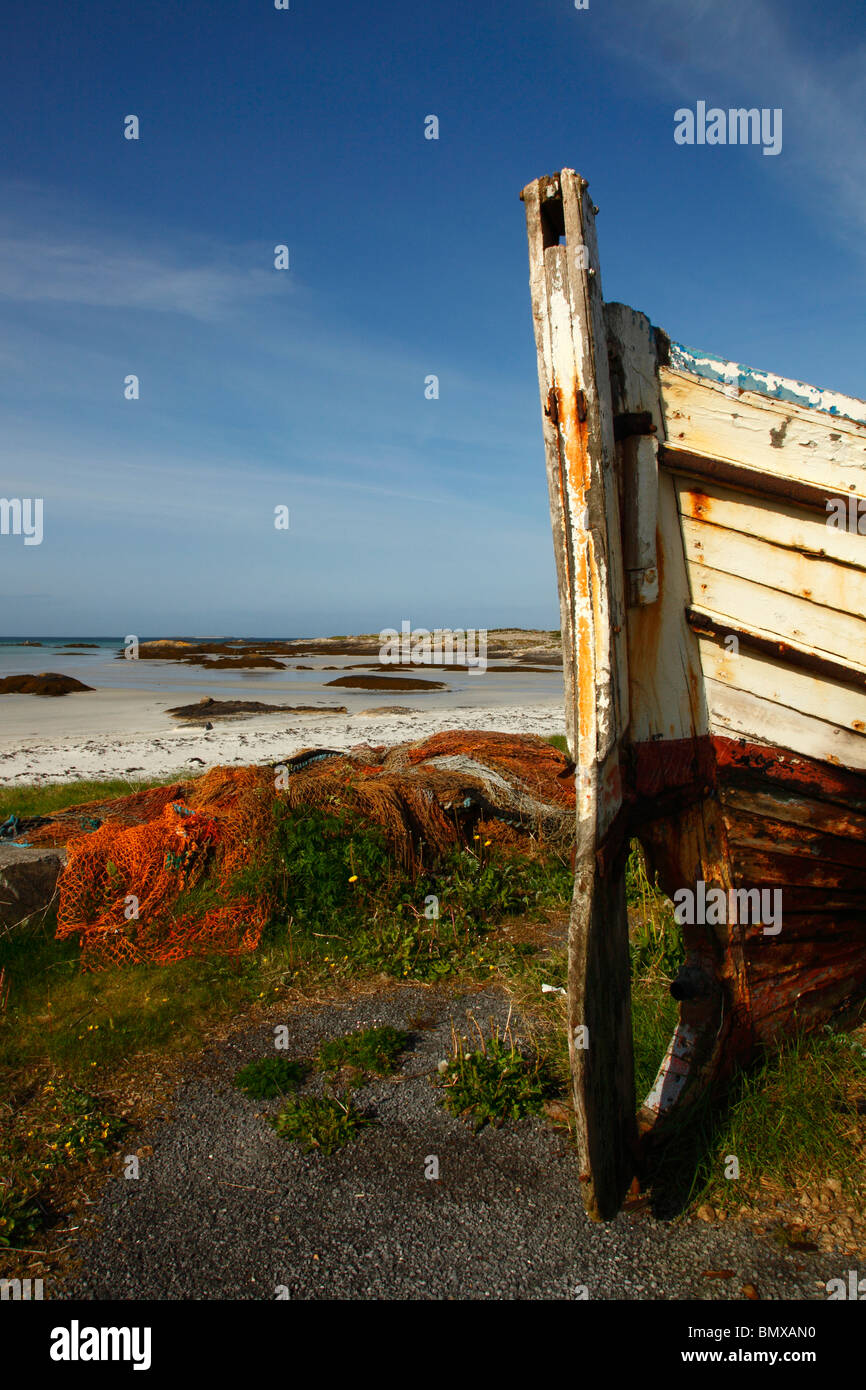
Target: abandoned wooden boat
{"type": "Point", "coordinates": [708, 525]}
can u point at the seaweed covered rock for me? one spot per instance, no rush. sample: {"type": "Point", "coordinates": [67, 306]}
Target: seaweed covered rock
{"type": "Point", "coordinates": [46, 683]}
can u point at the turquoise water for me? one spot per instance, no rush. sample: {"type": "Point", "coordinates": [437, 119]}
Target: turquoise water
{"type": "Point", "coordinates": [53, 655]}
{"type": "Point", "coordinates": [100, 667]}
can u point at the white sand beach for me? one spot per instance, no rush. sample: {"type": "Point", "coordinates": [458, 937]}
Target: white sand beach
{"type": "Point", "coordinates": [121, 727]}
{"type": "Point", "coordinates": [127, 734]}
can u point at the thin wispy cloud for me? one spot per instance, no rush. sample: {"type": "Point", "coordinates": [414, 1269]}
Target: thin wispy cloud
{"type": "Point", "coordinates": [309, 388]}
{"type": "Point", "coordinates": [751, 52]}
{"type": "Point", "coordinates": [103, 274]}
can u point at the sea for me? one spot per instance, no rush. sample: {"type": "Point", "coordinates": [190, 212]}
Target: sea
{"type": "Point", "coordinates": [95, 662]}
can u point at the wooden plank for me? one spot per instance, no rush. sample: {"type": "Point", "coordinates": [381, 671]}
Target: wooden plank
{"type": "Point", "coordinates": [634, 385]}
{"type": "Point", "coordinates": [791, 991]}
{"type": "Point", "coordinates": [828, 905]}
{"type": "Point", "coordinates": [820, 902]}
{"type": "Point", "coordinates": [809, 928]}
{"type": "Point", "coordinates": [754, 482]}
{"type": "Point", "coordinates": [782, 651]}
{"type": "Point", "coordinates": [759, 867]}
{"type": "Point", "coordinates": [602, 498]}
{"type": "Point", "coordinates": [778, 521]}
{"type": "Point", "coordinates": [793, 619]}
{"type": "Point", "coordinates": [764, 832]}
{"type": "Point", "coordinates": [795, 810]}
{"type": "Point", "coordinates": [640, 476]}
{"type": "Point", "coordinates": [736, 378]}
{"type": "Point", "coordinates": [633, 358]}
{"type": "Point", "coordinates": [663, 660]}
{"type": "Point", "coordinates": [742, 762]}
{"type": "Point", "coordinates": [537, 201]}
{"type": "Point", "coordinates": [667, 707]}
{"type": "Point", "coordinates": [752, 716]}
{"type": "Point", "coordinates": [839, 706]}
{"type": "Point", "coordinates": [579, 438]}
{"type": "Point", "coordinates": [714, 1029]}
{"type": "Point", "coordinates": [783, 440]}
{"type": "Point", "coordinates": [822, 582]}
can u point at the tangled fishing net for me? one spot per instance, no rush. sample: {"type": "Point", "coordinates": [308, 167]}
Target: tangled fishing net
{"type": "Point", "coordinates": [124, 885]}
{"type": "Point", "coordinates": [431, 795]}
{"type": "Point", "coordinates": [160, 875]}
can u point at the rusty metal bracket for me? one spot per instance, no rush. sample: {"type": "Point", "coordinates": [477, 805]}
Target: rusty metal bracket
{"type": "Point", "coordinates": [629, 423]}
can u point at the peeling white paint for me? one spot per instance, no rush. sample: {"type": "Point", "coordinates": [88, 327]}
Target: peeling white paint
{"type": "Point", "coordinates": [735, 377]}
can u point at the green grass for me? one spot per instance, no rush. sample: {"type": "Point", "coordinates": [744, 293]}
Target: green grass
{"type": "Point", "coordinates": [349, 906]}
{"type": "Point", "coordinates": [25, 801]}
{"type": "Point", "coordinates": [87, 1027]}
{"type": "Point", "coordinates": [323, 1124]}
{"type": "Point", "coordinates": [373, 1050]}
{"type": "Point", "coordinates": [653, 1019]}
{"type": "Point", "coordinates": [271, 1076]}
{"type": "Point", "coordinates": [796, 1110]}
{"type": "Point", "coordinates": [63, 1126]}
{"type": "Point", "coordinates": [656, 949]}
{"type": "Point", "coordinates": [20, 1217]}
{"type": "Point", "coordinates": [559, 741]}
{"type": "Point", "coordinates": [348, 912]}
{"type": "Point", "coordinates": [495, 1082]}
{"type": "Point", "coordinates": [328, 928]}
{"type": "Point", "coordinates": [61, 1017]}
{"type": "Point", "coordinates": [657, 952]}
{"type": "Point", "coordinates": [790, 1121]}
{"type": "Point", "coordinates": [656, 938]}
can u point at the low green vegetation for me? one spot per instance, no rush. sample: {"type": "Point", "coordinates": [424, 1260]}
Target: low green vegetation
{"type": "Point", "coordinates": [25, 801]}
{"type": "Point", "coordinates": [657, 949]}
{"type": "Point", "coordinates": [352, 908]}
{"type": "Point", "coordinates": [20, 1218]}
{"type": "Point", "coordinates": [373, 1050]}
{"type": "Point", "coordinates": [271, 1076]}
{"type": "Point", "coordinates": [84, 1023]}
{"type": "Point", "coordinates": [496, 1081]}
{"type": "Point", "coordinates": [60, 1127]}
{"type": "Point", "coordinates": [559, 741]}
{"type": "Point", "coordinates": [657, 952]}
{"type": "Point", "coordinates": [653, 1019]}
{"type": "Point", "coordinates": [320, 1123]}
{"type": "Point", "coordinates": [791, 1121]}
{"type": "Point", "coordinates": [348, 912]}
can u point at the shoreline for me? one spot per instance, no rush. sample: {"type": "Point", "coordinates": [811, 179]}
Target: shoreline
{"type": "Point", "coordinates": [127, 734]}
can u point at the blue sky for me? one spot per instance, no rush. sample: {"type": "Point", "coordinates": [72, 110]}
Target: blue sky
{"type": "Point", "coordinates": [408, 257]}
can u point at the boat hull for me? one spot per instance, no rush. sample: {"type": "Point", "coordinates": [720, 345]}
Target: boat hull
{"type": "Point", "coordinates": [761, 851]}
{"type": "Point", "coordinates": [709, 527]}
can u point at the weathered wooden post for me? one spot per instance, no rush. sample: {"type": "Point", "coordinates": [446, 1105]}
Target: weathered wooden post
{"type": "Point", "coordinates": [573, 376]}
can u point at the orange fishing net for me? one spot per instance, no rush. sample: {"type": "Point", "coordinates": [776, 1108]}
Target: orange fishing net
{"type": "Point", "coordinates": [123, 885]}
{"type": "Point", "coordinates": [430, 795]}
{"type": "Point", "coordinates": [158, 875]}
{"type": "Point", "coordinates": [62, 826]}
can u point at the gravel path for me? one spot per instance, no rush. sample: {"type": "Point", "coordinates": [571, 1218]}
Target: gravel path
{"type": "Point", "coordinates": [225, 1208]}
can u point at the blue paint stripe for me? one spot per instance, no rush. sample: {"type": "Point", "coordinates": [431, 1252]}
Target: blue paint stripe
{"type": "Point", "coordinates": [711, 367]}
